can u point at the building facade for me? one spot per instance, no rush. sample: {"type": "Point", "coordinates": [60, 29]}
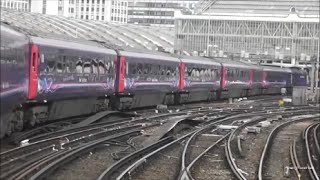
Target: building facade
{"type": "Point", "coordinates": [100, 10]}
{"type": "Point", "coordinates": [157, 12]}
{"type": "Point", "coordinates": [288, 39]}
{"type": "Point", "coordinates": [20, 5]}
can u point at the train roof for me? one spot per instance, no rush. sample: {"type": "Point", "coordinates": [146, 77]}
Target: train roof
{"type": "Point", "coordinates": [275, 69]}
{"type": "Point", "coordinates": [147, 54]}
{"type": "Point", "coordinates": [58, 40]}
{"type": "Point", "coordinates": [198, 60]}
{"type": "Point", "coordinates": [228, 63]}
{"type": "Point", "coordinates": [83, 46]}
{"type": "Point", "coordinates": [299, 71]}
{"type": "Point", "coordinates": [252, 66]}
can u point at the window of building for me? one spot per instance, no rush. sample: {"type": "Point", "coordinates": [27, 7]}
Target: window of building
{"type": "Point", "coordinates": [87, 17]}
{"type": "Point", "coordinates": [112, 2]}
{"type": "Point", "coordinates": [102, 9]}
{"type": "Point", "coordinates": [81, 16]}
{"type": "Point", "coordinates": [112, 10]}
{"type": "Point", "coordinates": [97, 9]}
{"type": "Point", "coordinates": [124, 19]}
{"type": "Point", "coordinates": [103, 1]}
{"type": "Point", "coordinates": [98, 1]}
{"type": "Point", "coordinates": [92, 9]}
{"type": "Point", "coordinates": [111, 18]}
{"type": "Point", "coordinates": [72, 10]}
{"type": "Point", "coordinates": [82, 1]}
{"type": "Point", "coordinates": [122, 3]}
{"type": "Point", "coordinates": [87, 1]}
{"type": "Point", "coordinates": [87, 9]}
{"type": "Point", "coordinates": [59, 8]}
{"type": "Point", "coordinates": [102, 17]}
{"type": "Point", "coordinates": [81, 8]}
{"type": "Point", "coordinates": [97, 17]}
{"type": "Point", "coordinates": [92, 17]}
{"type": "Point", "coordinates": [92, 1]}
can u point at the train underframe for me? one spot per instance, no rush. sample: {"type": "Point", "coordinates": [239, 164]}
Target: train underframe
{"type": "Point", "coordinates": [32, 113]}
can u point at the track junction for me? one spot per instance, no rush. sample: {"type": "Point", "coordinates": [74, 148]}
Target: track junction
{"type": "Point", "coordinates": [249, 139]}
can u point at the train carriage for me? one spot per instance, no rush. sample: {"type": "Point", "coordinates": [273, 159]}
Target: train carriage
{"type": "Point", "coordinates": [235, 79]}
{"type": "Point", "coordinates": [255, 82]}
{"type": "Point", "coordinates": [44, 78]}
{"type": "Point", "coordinates": [200, 79]}
{"type": "Point", "coordinates": [71, 70]}
{"type": "Point", "coordinates": [145, 79]}
{"type": "Point", "coordinates": [14, 78]}
{"type": "Point", "coordinates": [274, 79]}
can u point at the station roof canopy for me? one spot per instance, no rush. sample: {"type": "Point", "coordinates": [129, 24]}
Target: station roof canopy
{"type": "Point", "coordinates": [123, 35]}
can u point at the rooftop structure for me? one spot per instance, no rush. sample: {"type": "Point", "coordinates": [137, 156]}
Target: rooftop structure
{"type": "Point", "coordinates": [282, 31]}
{"type": "Point", "coordinates": [307, 8]}
{"type": "Point", "coordinates": [118, 34]}
{"type": "Point", "coordinates": [157, 12]}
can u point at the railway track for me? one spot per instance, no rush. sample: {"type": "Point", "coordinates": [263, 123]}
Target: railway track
{"type": "Point", "coordinates": [275, 158]}
{"type": "Point", "coordinates": [190, 149]}
{"type": "Point", "coordinates": [313, 150]}
{"type": "Point", "coordinates": [50, 146]}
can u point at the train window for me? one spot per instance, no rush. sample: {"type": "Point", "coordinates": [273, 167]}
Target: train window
{"type": "Point", "coordinates": [132, 68]}
{"type": "Point", "coordinates": [87, 67]}
{"type": "Point", "coordinates": [50, 66]}
{"type": "Point", "coordinates": [162, 70]}
{"type": "Point", "coordinates": [146, 69]}
{"type": "Point", "coordinates": [168, 72]}
{"type": "Point", "coordinates": [94, 65]}
{"type": "Point", "coordinates": [139, 68]}
{"type": "Point", "coordinates": [176, 72]}
{"type": "Point", "coordinates": [79, 68]}
{"type": "Point", "coordinates": [154, 69]}
{"type": "Point", "coordinates": [59, 67]}
{"type": "Point", "coordinates": [101, 67]}
{"type": "Point", "coordinates": [109, 67]}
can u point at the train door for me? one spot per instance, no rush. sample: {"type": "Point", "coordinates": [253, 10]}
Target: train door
{"type": "Point", "coordinates": [33, 71]}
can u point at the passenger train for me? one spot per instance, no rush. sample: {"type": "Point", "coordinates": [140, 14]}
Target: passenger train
{"type": "Point", "coordinates": [45, 79]}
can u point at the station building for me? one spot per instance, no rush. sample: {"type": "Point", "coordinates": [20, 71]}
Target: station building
{"type": "Point", "coordinates": [283, 31]}
{"type": "Point", "coordinates": [20, 5]}
{"type": "Point", "coordinates": [157, 12]}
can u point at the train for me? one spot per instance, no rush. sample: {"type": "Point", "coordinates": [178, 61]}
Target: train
{"type": "Point", "coordinates": [44, 78]}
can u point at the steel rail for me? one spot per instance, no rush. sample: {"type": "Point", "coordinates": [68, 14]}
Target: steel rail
{"type": "Point", "coordinates": [311, 169]}
{"type": "Point", "coordinates": [188, 168]}
{"type": "Point", "coordinates": [294, 159]}
{"type": "Point", "coordinates": [316, 140]}
{"type": "Point", "coordinates": [73, 132]}
{"type": "Point", "coordinates": [68, 145]}
{"type": "Point", "coordinates": [144, 158]}
{"type": "Point", "coordinates": [108, 173]}
{"type": "Point", "coordinates": [271, 136]}
{"type": "Point", "coordinates": [111, 170]}
{"type": "Point", "coordinates": [228, 151]}
{"type": "Point", "coordinates": [69, 156]}
{"type": "Point", "coordinates": [49, 142]}
{"type": "Point", "coordinates": [185, 168]}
